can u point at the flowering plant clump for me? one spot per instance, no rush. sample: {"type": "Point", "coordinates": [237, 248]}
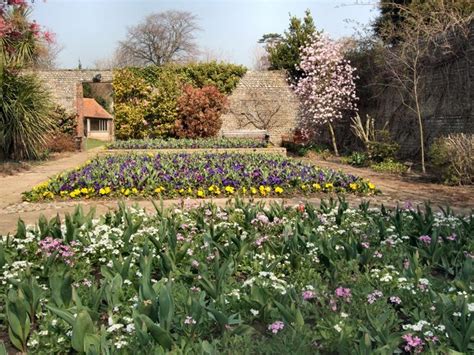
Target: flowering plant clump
{"type": "Point", "coordinates": [196, 280]}
{"type": "Point", "coordinates": [196, 175]}
{"type": "Point", "coordinates": [185, 143]}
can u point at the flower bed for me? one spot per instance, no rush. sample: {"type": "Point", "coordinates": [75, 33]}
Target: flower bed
{"type": "Point", "coordinates": [244, 279]}
{"type": "Point", "coordinates": [196, 175]}
{"type": "Point", "coordinates": [185, 143]}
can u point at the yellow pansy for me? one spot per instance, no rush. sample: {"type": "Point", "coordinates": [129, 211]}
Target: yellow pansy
{"type": "Point", "coordinates": [253, 190]}
{"type": "Point", "coordinates": [134, 190]}
{"type": "Point", "coordinates": [229, 189]}
{"type": "Point", "coordinates": [200, 193]}
{"type": "Point", "coordinates": [304, 187]}
{"type": "Point", "coordinates": [244, 190]}
{"type": "Point", "coordinates": [353, 186]}
{"type": "Point", "coordinates": [84, 190]}
{"type": "Point", "coordinates": [317, 186]}
{"type": "Point", "coordinates": [278, 190]}
{"type": "Point", "coordinates": [371, 186]}
{"type": "Point", "coordinates": [328, 185]}
{"type": "Point", "coordinates": [160, 189]}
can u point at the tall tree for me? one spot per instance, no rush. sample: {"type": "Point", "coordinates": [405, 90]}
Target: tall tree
{"type": "Point", "coordinates": [284, 50]}
{"type": "Point", "coordinates": [431, 31]}
{"type": "Point", "coordinates": [327, 88]}
{"type": "Point", "coordinates": [161, 38]}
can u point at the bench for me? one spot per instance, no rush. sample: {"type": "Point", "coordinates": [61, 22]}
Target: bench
{"type": "Point", "coordinates": [260, 134]}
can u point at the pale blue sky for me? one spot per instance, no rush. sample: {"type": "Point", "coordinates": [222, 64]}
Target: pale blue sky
{"type": "Point", "coordinates": [90, 29]}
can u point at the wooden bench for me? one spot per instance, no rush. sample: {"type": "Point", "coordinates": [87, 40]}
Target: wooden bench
{"type": "Point", "coordinates": [260, 134]}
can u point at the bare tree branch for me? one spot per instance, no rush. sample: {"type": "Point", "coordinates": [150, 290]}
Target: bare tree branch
{"type": "Point", "coordinates": [161, 38]}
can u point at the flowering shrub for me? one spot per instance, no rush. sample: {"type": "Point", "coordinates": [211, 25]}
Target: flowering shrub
{"type": "Point", "coordinates": [184, 143]}
{"type": "Point", "coordinates": [199, 112]}
{"type": "Point", "coordinates": [196, 175]}
{"type": "Point", "coordinates": [241, 279]}
{"type": "Point", "coordinates": [326, 89]}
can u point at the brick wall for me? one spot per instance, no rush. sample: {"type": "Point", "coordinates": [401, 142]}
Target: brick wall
{"type": "Point", "coordinates": [63, 84]}
{"type": "Point", "coordinates": [263, 91]}
{"type": "Point", "coordinates": [267, 88]}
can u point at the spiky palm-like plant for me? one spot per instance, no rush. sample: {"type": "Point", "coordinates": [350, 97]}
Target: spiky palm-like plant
{"type": "Point", "coordinates": [25, 110]}
{"type": "Point", "coordinates": [25, 116]}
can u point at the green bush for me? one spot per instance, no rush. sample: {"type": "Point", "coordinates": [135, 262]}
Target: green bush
{"type": "Point", "coordinates": [383, 147]}
{"type": "Point", "coordinates": [25, 116]}
{"type": "Point", "coordinates": [65, 122]}
{"type": "Point", "coordinates": [389, 166]}
{"type": "Point", "coordinates": [453, 158]}
{"type": "Point", "coordinates": [146, 98]}
{"type": "Point", "coordinates": [357, 159]}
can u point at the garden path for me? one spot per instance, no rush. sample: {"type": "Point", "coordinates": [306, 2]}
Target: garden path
{"type": "Point", "coordinates": [401, 189]}
{"type": "Point", "coordinates": [395, 190]}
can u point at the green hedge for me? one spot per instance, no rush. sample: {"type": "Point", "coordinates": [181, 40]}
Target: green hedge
{"type": "Point", "coordinates": [146, 98]}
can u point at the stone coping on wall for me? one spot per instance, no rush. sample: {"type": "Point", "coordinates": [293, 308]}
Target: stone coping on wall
{"type": "Point", "coordinates": [272, 150]}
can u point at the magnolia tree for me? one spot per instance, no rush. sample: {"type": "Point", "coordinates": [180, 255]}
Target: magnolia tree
{"type": "Point", "coordinates": [327, 88]}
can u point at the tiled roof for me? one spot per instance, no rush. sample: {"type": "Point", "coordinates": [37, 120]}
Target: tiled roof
{"type": "Point", "coordinates": [94, 110]}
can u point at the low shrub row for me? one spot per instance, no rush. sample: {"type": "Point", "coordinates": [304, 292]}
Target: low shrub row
{"type": "Point", "coordinates": [185, 143]}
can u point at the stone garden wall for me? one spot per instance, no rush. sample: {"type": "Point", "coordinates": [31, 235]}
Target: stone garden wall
{"type": "Point", "coordinates": [63, 83]}
{"type": "Point", "coordinates": [265, 98]}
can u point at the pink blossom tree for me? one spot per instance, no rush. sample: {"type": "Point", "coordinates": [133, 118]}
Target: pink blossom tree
{"type": "Point", "coordinates": [326, 89]}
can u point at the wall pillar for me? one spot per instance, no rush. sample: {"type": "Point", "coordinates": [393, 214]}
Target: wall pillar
{"type": "Point", "coordinates": [80, 117]}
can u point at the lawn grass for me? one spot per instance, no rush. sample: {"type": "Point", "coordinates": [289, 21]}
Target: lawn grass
{"type": "Point", "coordinates": [92, 143]}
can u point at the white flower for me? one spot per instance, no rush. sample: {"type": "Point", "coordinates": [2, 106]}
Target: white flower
{"type": "Point", "coordinates": [457, 314]}
{"type": "Point", "coordinates": [114, 327]}
{"type": "Point", "coordinates": [338, 328]}
{"type": "Point", "coordinates": [470, 307]}
{"type": "Point", "coordinates": [254, 312]}
{"type": "Point", "coordinates": [344, 315]}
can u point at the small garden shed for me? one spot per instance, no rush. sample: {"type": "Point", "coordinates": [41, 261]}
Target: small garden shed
{"type": "Point", "coordinates": [98, 123]}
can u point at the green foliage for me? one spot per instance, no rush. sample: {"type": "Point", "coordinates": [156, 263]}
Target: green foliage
{"type": "Point", "coordinates": [25, 116]}
{"type": "Point", "coordinates": [64, 121]}
{"type": "Point", "coordinates": [453, 158]}
{"type": "Point", "coordinates": [199, 112]}
{"type": "Point", "coordinates": [389, 166]}
{"type": "Point", "coordinates": [358, 159]}
{"type": "Point", "coordinates": [146, 99]}
{"type": "Point", "coordinates": [87, 92]}
{"type": "Point", "coordinates": [284, 51]}
{"type": "Point", "coordinates": [214, 280]}
{"type": "Point", "coordinates": [383, 147]}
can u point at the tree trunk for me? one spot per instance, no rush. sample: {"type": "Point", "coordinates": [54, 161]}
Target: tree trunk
{"type": "Point", "coordinates": [333, 137]}
{"type": "Point", "coordinates": [420, 122]}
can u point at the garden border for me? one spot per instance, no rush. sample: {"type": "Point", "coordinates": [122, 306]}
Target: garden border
{"type": "Point", "coordinates": [273, 150]}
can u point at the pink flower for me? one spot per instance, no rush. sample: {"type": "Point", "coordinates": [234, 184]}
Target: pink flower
{"type": "Point", "coordinates": [343, 292]}
{"type": "Point", "coordinates": [48, 36]}
{"type": "Point", "coordinates": [452, 237]}
{"type": "Point", "coordinates": [365, 245]}
{"type": "Point", "coordinates": [374, 296]}
{"type": "Point", "coordinates": [426, 239]}
{"type": "Point", "coordinates": [195, 264]}
{"type": "Point", "coordinates": [395, 300]}
{"type": "Point", "coordinates": [413, 343]}
{"type": "Point", "coordinates": [308, 294]}
{"type": "Point", "coordinates": [276, 326]}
